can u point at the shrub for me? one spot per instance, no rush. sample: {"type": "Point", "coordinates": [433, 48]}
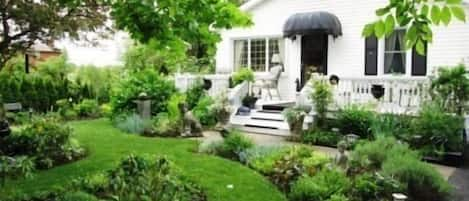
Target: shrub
{"type": "Point", "coordinates": [423, 182]}
{"type": "Point", "coordinates": [323, 138]}
{"type": "Point", "coordinates": [366, 187]}
{"type": "Point", "coordinates": [357, 120]}
{"type": "Point", "coordinates": [106, 110]}
{"type": "Point", "coordinates": [137, 178]}
{"type": "Point", "coordinates": [46, 140]}
{"type": "Point", "coordinates": [243, 74]}
{"type": "Point", "coordinates": [132, 123]}
{"type": "Point", "coordinates": [388, 125]}
{"type": "Point", "coordinates": [194, 94]}
{"type": "Point", "coordinates": [258, 153]}
{"type": "Point", "coordinates": [295, 117]}
{"type": "Point", "coordinates": [322, 98]}
{"type": "Point", "coordinates": [371, 155]}
{"type": "Point", "coordinates": [204, 111]}
{"type": "Point", "coordinates": [88, 108]}
{"type": "Point", "coordinates": [322, 186]}
{"type": "Point", "coordinates": [284, 166]}
{"type": "Point", "coordinates": [451, 89]}
{"type": "Point", "coordinates": [438, 132]}
{"type": "Point", "coordinates": [12, 168]}
{"type": "Point", "coordinates": [164, 126]}
{"type": "Point", "coordinates": [78, 196]}
{"type": "Point", "coordinates": [235, 144]}
{"type": "Point", "coordinates": [158, 88]}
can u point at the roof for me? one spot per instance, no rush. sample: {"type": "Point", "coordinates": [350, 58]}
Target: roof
{"type": "Point", "coordinates": [41, 47]}
{"type": "Point", "coordinates": [253, 3]}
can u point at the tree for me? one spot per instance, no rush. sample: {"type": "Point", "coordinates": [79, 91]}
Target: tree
{"type": "Point", "coordinates": [193, 23]}
{"type": "Point", "coordinates": [417, 17]}
{"type": "Point", "coordinates": [23, 22]}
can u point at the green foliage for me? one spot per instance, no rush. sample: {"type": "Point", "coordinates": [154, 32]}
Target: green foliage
{"type": "Point", "coordinates": [451, 89]}
{"type": "Point", "coordinates": [13, 168]}
{"type": "Point", "coordinates": [98, 79]}
{"type": "Point", "coordinates": [78, 196]}
{"type": "Point", "coordinates": [417, 17]}
{"type": "Point", "coordinates": [137, 178]}
{"type": "Point", "coordinates": [322, 98]}
{"type": "Point", "coordinates": [438, 131]}
{"type": "Point", "coordinates": [391, 125]}
{"type": "Point", "coordinates": [48, 141]}
{"type": "Point", "coordinates": [243, 74]}
{"type": "Point", "coordinates": [157, 87]}
{"type": "Point", "coordinates": [55, 67]}
{"type": "Point", "coordinates": [371, 155]}
{"type": "Point", "coordinates": [177, 22]}
{"type": "Point", "coordinates": [283, 166]}
{"type": "Point", "coordinates": [194, 94]}
{"type": "Point", "coordinates": [28, 20]}
{"type": "Point", "coordinates": [88, 108]}
{"type": "Point", "coordinates": [234, 145]}
{"type": "Point", "coordinates": [170, 124]}
{"type": "Point", "coordinates": [421, 181]}
{"type": "Point", "coordinates": [204, 111]}
{"type": "Point", "coordinates": [322, 186]}
{"type": "Point", "coordinates": [295, 117]}
{"type": "Point", "coordinates": [357, 120]}
{"type": "Point", "coordinates": [132, 123]}
{"type": "Point", "coordinates": [323, 138]}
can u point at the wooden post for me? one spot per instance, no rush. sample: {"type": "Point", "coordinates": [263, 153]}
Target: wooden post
{"type": "Point", "coordinates": [26, 63]}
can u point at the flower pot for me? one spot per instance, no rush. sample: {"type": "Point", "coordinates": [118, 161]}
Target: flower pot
{"type": "Point", "coordinates": [4, 129]}
{"type": "Point", "coordinates": [250, 102]}
{"type": "Point", "coordinates": [377, 91]}
{"type": "Point", "coordinates": [207, 84]}
{"type": "Point", "coordinates": [296, 127]}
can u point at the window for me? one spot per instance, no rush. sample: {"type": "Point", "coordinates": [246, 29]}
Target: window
{"type": "Point", "coordinates": [259, 54]}
{"type": "Point", "coordinates": [395, 53]}
{"type": "Point", "coordinates": [241, 53]}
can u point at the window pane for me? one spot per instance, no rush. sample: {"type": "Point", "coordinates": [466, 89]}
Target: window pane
{"type": "Point", "coordinates": [240, 54]}
{"type": "Point", "coordinates": [394, 63]}
{"type": "Point", "coordinates": [276, 52]}
{"type": "Point", "coordinates": [258, 55]}
{"type": "Point", "coordinates": [395, 54]}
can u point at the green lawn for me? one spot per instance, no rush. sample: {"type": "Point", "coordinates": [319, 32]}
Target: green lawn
{"type": "Point", "coordinates": [107, 146]}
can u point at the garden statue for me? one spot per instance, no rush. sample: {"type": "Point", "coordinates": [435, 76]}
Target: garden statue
{"type": "Point", "coordinates": [144, 106]}
{"type": "Point", "coordinates": [191, 125]}
{"type": "Point", "coordinates": [341, 158]}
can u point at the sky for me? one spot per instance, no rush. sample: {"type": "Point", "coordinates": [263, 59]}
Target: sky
{"type": "Point", "coordinates": [108, 52]}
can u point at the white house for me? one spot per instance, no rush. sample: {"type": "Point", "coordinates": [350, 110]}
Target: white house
{"type": "Point", "coordinates": [325, 36]}
{"type": "Point", "coordinates": [347, 54]}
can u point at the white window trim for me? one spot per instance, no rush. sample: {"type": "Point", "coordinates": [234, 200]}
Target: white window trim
{"type": "Point", "coordinates": [267, 38]}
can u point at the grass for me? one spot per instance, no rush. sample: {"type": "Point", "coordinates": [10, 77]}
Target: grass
{"type": "Point", "coordinates": [108, 145]}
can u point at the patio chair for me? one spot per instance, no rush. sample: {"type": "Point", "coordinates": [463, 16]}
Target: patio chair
{"type": "Point", "coordinates": [270, 82]}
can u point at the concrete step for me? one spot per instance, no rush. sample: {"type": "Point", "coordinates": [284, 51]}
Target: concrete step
{"type": "Point", "coordinates": [262, 115]}
{"type": "Point", "coordinates": [256, 123]}
{"type": "Point", "coordinates": [264, 131]}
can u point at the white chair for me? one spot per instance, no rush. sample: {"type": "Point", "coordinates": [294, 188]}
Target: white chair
{"type": "Point", "coordinates": [270, 82]}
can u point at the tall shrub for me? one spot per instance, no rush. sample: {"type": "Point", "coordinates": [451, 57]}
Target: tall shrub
{"type": "Point", "coordinates": [322, 98]}
{"type": "Point", "coordinates": [357, 120]}
{"type": "Point", "coordinates": [451, 88]}
{"type": "Point", "coordinates": [157, 87]}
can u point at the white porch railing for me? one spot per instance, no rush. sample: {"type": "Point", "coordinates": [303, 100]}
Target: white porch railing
{"type": "Point", "coordinates": [401, 95]}
{"type": "Point", "coordinates": [220, 82]}
{"type": "Point", "coordinates": [237, 94]}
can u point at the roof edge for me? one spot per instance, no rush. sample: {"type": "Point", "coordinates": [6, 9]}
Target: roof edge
{"type": "Point", "coordinates": [250, 4]}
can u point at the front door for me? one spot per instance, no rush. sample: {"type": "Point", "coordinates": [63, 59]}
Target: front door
{"type": "Point", "coordinates": [313, 56]}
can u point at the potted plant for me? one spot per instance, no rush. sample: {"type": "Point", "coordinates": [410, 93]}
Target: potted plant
{"type": "Point", "coordinates": [295, 118]}
{"type": "Point", "coordinates": [250, 101]}
{"type": "Point", "coordinates": [223, 109]}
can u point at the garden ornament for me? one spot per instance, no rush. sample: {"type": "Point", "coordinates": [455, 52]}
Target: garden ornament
{"type": "Point", "coordinates": [341, 158]}
{"type": "Point", "coordinates": [191, 125]}
{"type": "Point", "coordinates": [143, 106]}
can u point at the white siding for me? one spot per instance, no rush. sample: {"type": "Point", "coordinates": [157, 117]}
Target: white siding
{"type": "Point", "coordinates": [346, 53]}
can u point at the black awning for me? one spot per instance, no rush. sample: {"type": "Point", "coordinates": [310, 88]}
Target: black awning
{"type": "Point", "coordinates": [312, 22]}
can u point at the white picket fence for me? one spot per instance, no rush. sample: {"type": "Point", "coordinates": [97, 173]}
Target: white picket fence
{"type": "Point", "coordinates": [220, 82]}
{"type": "Point", "coordinates": [401, 94]}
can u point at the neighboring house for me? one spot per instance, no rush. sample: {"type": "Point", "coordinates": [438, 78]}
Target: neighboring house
{"type": "Point", "coordinates": [40, 52]}
{"type": "Point", "coordinates": [311, 37]}
{"type": "Point", "coordinates": [336, 47]}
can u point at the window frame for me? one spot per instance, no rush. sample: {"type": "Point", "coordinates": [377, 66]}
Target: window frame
{"type": "Point", "coordinates": [267, 40]}
{"type": "Point", "coordinates": [382, 57]}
